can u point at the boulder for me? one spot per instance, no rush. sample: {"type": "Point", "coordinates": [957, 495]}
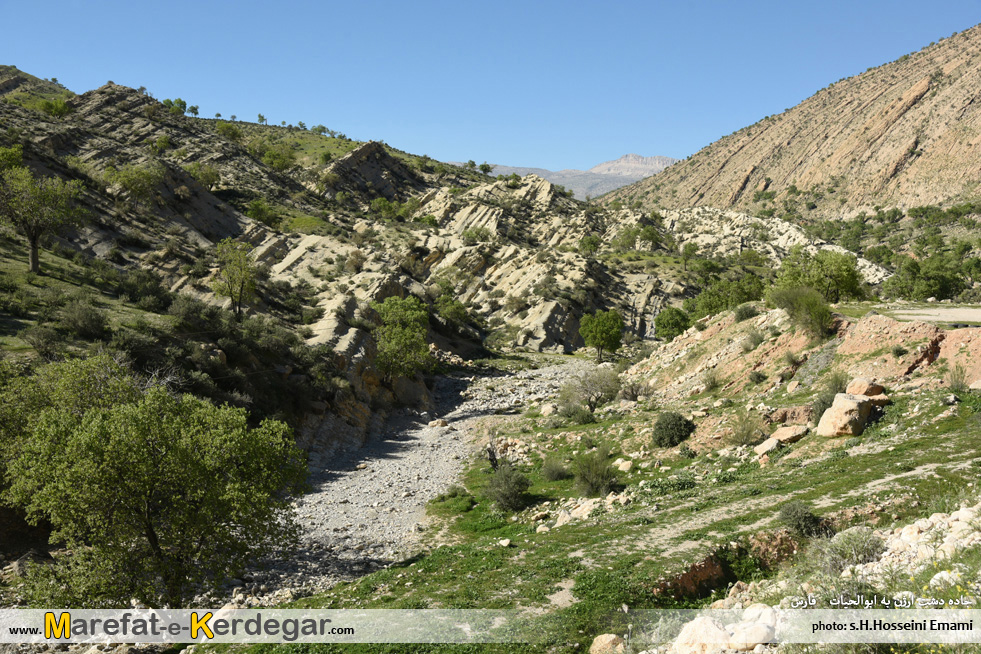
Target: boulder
{"type": "Point", "coordinates": [846, 417]}
{"type": "Point", "coordinates": [767, 446]}
{"type": "Point", "coordinates": [438, 423]}
{"type": "Point", "coordinates": [790, 434]}
{"type": "Point", "coordinates": [792, 415]}
{"type": "Point", "coordinates": [747, 635]}
{"type": "Point", "coordinates": [607, 644]}
{"type": "Point", "coordinates": [793, 386]}
{"type": "Point", "coordinates": [863, 386]}
{"type": "Point", "coordinates": [548, 410]}
{"type": "Point", "coordinates": [880, 400]}
{"type": "Point", "coordinates": [702, 635]}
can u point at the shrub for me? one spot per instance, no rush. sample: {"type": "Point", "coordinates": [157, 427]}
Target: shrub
{"type": "Point", "coordinates": [753, 339]}
{"type": "Point", "coordinates": [84, 320]}
{"type": "Point", "coordinates": [593, 473]}
{"type": "Point", "coordinates": [592, 389]}
{"type": "Point", "coordinates": [686, 452]}
{"type": "Point", "coordinates": [507, 487]}
{"type": "Point", "coordinates": [899, 351]}
{"type": "Point", "coordinates": [957, 379]}
{"type": "Point", "coordinates": [834, 384]}
{"type": "Point", "coordinates": [711, 380]}
{"type": "Point", "coordinates": [671, 429]}
{"type": "Point", "coordinates": [806, 307]}
{"type": "Point", "coordinates": [800, 519]}
{"type": "Point", "coordinates": [851, 547]}
{"type": "Point", "coordinates": [554, 470]}
{"type": "Point", "coordinates": [745, 312]}
{"type": "Point", "coordinates": [757, 377]}
{"type": "Point", "coordinates": [577, 414]}
{"type": "Point", "coordinates": [43, 339]}
{"type": "Point", "coordinates": [791, 359]}
{"type": "Point", "coordinates": [746, 429]}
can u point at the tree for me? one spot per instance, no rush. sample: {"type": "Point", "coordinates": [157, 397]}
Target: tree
{"type": "Point", "coordinates": [218, 115]}
{"type": "Point", "coordinates": [589, 245]}
{"type": "Point", "coordinates": [236, 274]}
{"type": "Point", "coordinates": [319, 129]}
{"type": "Point", "coordinates": [301, 125]}
{"type": "Point", "coordinates": [233, 117]}
{"type": "Point", "coordinates": [37, 206]}
{"type": "Point", "coordinates": [262, 119]}
{"type": "Point", "coordinates": [670, 322]}
{"type": "Point", "coordinates": [155, 497]}
{"type": "Point", "coordinates": [602, 330]}
{"type": "Point", "coordinates": [401, 338]}
{"type": "Point", "coordinates": [833, 274]}
{"type": "Point", "coordinates": [486, 168]}
{"type": "Point", "coordinates": [688, 252]}
{"type": "Point", "coordinates": [193, 110]}
{"type": "Point", "coordinates": [471, 165]}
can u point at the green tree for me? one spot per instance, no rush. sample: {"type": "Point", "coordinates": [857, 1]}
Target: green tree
{"type": "Point", "coordinates": [602, 330]}
{"type": "Point", "coordinates": [11, 157]}
{"type": "Point", "coordinates": [262, 119]}
{"type": "Point", "coordinates": [155, 497]}
{"type": "Point", "coordinates": [471, 165]}
{"type": "Point", "coordinates": [688, 252]}
{"type": "Point", "coordinates": [229, 131]}
{"type": "Point", "coordinates": [833, 274]}
{"type": "Point", "coordinates": [670, 322]}
{"type": "Point", "coordinates": [319, 129]}
{"type": "Point", "coordinates": [401, 338]}
{"type": "Point", "coordinates": [236, 274]}
{"type": "Point", "coordinates": [37, 206]}
{"type": "Point", "coordinates": [589, 245]}
{"type": "Point", "coordinates": [486, 168]}
{"type": "Point", "coordinates": [193, 110]}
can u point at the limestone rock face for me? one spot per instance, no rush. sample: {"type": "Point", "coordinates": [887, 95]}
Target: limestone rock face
{"type": "Point", "coordinates": [846, 417]}
{"type": "Point", "coordinates": [891, 136]}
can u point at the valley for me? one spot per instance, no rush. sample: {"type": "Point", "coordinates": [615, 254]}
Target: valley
{"type": "Point", "coordinates": [254, 365]}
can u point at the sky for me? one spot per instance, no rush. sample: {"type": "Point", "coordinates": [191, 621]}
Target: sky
{"type": "Point", "coordinates": [536, 83]}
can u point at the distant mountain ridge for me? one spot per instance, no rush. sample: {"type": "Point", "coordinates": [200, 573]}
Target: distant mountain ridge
{"type": "Point", "coordinates": [601, 178]}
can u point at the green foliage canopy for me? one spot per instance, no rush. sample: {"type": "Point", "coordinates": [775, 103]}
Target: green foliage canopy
{"type": "Point", "coordinates": [401, 338]}
{"type": "Point", "coordinates": [602, 330]}
{"type": "Point", "coordinates": [155, 497]}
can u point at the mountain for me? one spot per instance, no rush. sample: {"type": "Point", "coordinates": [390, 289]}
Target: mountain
{"type": "Point", "coordinates": [599, 179]}
{"type": "Point", "coordinates": [901, 135]}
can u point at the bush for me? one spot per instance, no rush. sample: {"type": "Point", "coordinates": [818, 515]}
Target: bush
{"type": "Point", "coordinates": [711, 380]}
{"type": "Point", "coordinates": [592, 389]}
{"type": "Point", "coordinates": [957, 379]}
{"type": "Point", "coordinates": [851, 547]}
{"type": "Point", "coordinates": [800, 519]}
{"type": "Point", "coordinates": [757, 377]}
{"type": "Point", "coordinates": [753, 339]}
{"type": "Point", "coordinates": [84, 320]}
{"type": "Point", "coordinates": [899, 351]}
{"type": "Point", "coordinates": [594, 474]}
{"type": "Point", "coordinates": [507, 487]}
{"type": "Point", "coordinates": [834, 384]}
{"type": "Point", "coordinates": [745, 312]}
{"type": "Point", "coordinates": [671, 429]}
{"type": "Point", "coordinates": [44, 340]}
{"type": "Point", "coordinates": [670, 322]}
{"type": "Point", "coordinates": [554, 470]}
{"type": "Point", "coordinates": [686, 452]}
{"type": "Point", "coordinates": [806, 307]}
{"type": "Point", "coordinates": [746, 429]}
{"type": "Point", "coordinates": [577, 414]}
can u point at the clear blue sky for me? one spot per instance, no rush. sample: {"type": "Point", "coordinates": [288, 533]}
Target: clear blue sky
{"type": "Point", "coordinates": [534, 83]}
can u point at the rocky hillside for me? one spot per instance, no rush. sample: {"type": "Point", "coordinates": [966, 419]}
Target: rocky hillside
{"type": "Point", "coordinates": [903, 134]}
{"type": "Point", "coordinates": [601, 178]}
